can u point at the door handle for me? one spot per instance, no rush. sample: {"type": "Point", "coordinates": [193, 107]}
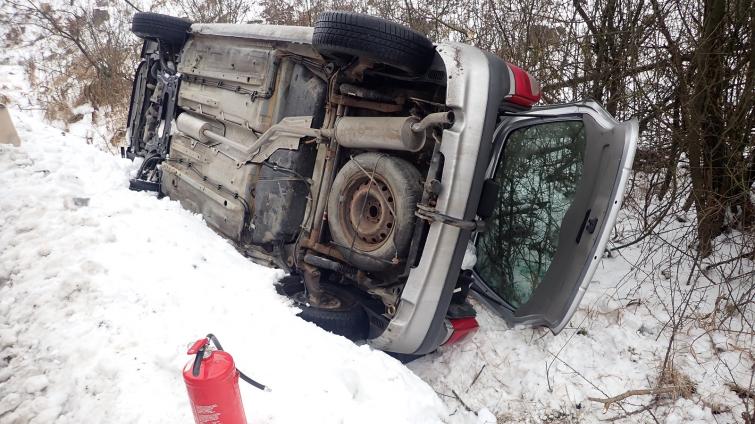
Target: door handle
{"type": "Point", "coordinates": [591, 224]}
{"type": "Point", "coordinates": [587, 224]}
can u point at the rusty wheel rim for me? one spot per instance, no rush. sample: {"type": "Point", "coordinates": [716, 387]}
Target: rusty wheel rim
{"type": "Point", "coordinates": [367, 212]}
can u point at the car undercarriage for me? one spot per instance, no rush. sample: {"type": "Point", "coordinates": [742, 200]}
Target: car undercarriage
{"type": "Point", "coordinates": [355, 155]}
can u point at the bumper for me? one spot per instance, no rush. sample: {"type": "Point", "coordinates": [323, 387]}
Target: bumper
{"type": "Point", "coordinates": [476, 85]}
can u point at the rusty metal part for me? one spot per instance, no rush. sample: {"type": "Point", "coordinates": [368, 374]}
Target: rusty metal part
{"type": "Point", "coordinates": [357, 70]}
{"type": "Point", "coordinates": [430, 214]}
{"type": "Point", "coordinates": [430, 186]}
{"type": "Point", "coordinates": [328, 175]}
{"type": "Point", "coordinates": [327, 250]}
{"type": "Point", "coordinates": [365, 104]}
{"type": "Point", "coordinates": [322, 181]}
{"type": "Point", "coordinates": [388, 295]}
{"type": "Point", "coordinates": [365, 93]}
{"type": "Point", "coordinates": [382, 132]}
{"type": "Point", "coordinates": [434, 120]}
{"type": "Point", "coordinates": [316, 295]}
{"type": "Point", "coordinates": [418, 101]}
{"type": "Point", "coordinates": [317, 174]}
{"type": "Point", "coordinates": [325, 263]}
{"type": "Point", "coordinates": [367, 212]}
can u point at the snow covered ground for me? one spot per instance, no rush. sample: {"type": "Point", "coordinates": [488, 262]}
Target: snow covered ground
{"type": "Point", "coordinates": [101, 289]}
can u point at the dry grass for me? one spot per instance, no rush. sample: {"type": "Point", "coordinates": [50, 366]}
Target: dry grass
{"type": "Point", "coordinates": [85, 55]}
{"type": "Point", "coordinates": [682, 384]}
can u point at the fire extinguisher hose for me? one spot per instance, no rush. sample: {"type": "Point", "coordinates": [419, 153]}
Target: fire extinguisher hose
{"type": "Point", "coordinates": [252, 382]}
{"type": "Point", "coordinates": [200, 355]}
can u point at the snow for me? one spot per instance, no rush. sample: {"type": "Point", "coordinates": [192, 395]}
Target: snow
{"type": "Point", "coordinates": [614, 343]}
{"type": "Point", "coordinates": [100, 297]}
{"type": "Point", "coordinates": [470, 257]}
{"type": "Point", "coordinates": [102, 289]}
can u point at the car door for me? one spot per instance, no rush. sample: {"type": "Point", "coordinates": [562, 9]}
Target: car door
{"type": "Point", "coordinates": [561, 173]}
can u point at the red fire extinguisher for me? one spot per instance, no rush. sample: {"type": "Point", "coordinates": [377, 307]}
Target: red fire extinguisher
{"type": "Point", "coordinates": [212, 381]}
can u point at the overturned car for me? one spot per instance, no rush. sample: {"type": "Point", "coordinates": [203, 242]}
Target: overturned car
{"type": "Point", "coordinates": [389, 176]}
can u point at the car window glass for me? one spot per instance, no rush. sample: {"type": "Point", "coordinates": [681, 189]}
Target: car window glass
{"type": "Point", "coordinates": [538, 174]}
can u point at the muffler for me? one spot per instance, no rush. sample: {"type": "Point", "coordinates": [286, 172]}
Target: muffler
{"type": "Point", "coordinates": [199, 129]}
{"type": "Point", "coordinates": [389, 133]}
{"type": "Point", "coordinates": [8, 134]}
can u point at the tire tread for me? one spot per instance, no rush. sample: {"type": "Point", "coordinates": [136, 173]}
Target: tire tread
{"type": "Point", "coordinates": [372, 37]}
{"type": "Point", "coordinates": [169, 29]}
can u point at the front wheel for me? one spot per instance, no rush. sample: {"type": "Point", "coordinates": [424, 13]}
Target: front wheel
{"type": "Point", "coordinates": [164, 28]}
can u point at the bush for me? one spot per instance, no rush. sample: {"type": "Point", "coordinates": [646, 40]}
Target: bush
{"type": "Point", "coordinates": [81, 60]}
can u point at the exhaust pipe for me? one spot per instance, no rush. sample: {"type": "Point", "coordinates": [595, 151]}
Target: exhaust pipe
{"type": "Point", "coordinates": [8, 134]}
{"type": "Point", "coordinates": [443, 119]}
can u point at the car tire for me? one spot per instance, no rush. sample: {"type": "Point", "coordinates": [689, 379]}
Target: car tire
{"type": "Point", "coordinates": [349, 320]}
{"type": "Point", "coordinates": [155, 26]}
{"type": "Point", "coordinates": [339, 33]}
{"type": "Point", "coordinates": [372, 242]}
{"type": "Point", "coordinates": [404, 358]}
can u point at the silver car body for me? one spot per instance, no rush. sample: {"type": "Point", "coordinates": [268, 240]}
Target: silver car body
{"type": "Point", "coordinates": [477, 83]}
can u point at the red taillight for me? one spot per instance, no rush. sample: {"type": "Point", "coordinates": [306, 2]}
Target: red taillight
{"type": "Point", "coordinates": [526, 90]}
{"type": "Point", "coordinates": [461, 328]}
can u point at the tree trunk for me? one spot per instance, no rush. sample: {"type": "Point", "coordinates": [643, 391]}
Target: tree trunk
{"type": "Point", "coordinates": [707, 144]}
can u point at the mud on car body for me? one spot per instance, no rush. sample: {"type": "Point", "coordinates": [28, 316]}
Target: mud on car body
{"type": "Point", "coordinates": [375, 166]}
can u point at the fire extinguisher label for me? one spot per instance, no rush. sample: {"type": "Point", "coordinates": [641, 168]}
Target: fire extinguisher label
{"type": "Point", "coordinates": [206, 414]}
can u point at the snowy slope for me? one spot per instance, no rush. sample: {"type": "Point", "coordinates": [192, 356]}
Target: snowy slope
{"type": "Point", "coordinates": [101, 290]}
{"type": "Point", "coordinates": [615, 342]}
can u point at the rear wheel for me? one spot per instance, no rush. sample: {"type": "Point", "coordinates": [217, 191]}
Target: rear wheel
{"type": "Point", "coordinates": [155, 26]}
{"type": "Point", "coordinates": [339, 33]}
{"type": "Point", "coordinates": [346, 318]}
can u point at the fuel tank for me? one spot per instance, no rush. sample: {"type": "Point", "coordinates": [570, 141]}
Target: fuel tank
{"type": "Point", "coordinates": [232, 91]}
